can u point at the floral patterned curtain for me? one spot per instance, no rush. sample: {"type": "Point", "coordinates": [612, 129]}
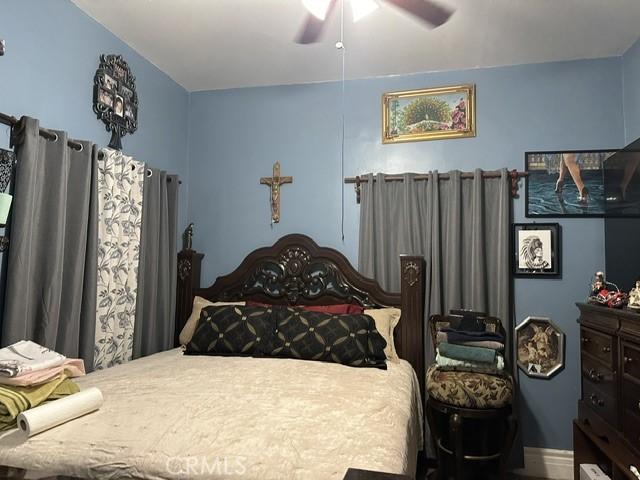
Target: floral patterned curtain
{"type": "Point", "coordinates": [120, 189]}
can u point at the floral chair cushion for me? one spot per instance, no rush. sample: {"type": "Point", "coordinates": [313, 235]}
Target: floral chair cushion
{"type": "Point", "coordinates": [469, 389]}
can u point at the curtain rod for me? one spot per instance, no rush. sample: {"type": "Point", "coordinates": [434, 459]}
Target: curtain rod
{"type": "Point", "coordinates": [514, 176]}
{"type": "Point", "coordinates": [48, 134]}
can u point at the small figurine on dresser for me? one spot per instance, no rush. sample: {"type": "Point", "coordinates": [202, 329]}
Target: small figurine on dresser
{"type": "Point", "coordinates": [598, 284]}
{"type": "Point", "coordinates": [634, 296]}
{"type": "Point", "coordinates": [606, 293]}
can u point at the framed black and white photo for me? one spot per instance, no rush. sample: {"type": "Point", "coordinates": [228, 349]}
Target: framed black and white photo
{"type": "Point", "coordinates": [109, 83]}
{"type": "Point", "coordinates": [119, 106]}
{"type": "Point", "coordinates": [129, 111]}
{"type": "Point", "coordinates": [105, 97]}
{"type": "Point", "coordinates": [126, 93]}
{"type": "Point", "coordinates": [540, 347]}
{"type": "Point", "coordinates": [536, 250]}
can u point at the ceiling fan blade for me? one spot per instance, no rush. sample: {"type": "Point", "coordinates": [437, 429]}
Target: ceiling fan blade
{"type": "Point", "coordinates": [426, 10]}
{"type": "Point", "coordinates": [312, 29]}
{"type": "Point", "coordinates": [310, 32]}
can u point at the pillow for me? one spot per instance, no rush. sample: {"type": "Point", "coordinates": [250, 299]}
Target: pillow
{"type": "Point", "coordinates": [347, 339]}
{"type": "Point", "coordinates": [198, 304]}
{"type": "Point", "coordinates": [339, 308]}
{"type": "Point", "coordinates": [233, 330]}
{"type": "Point", "coordinates": [386, 320]}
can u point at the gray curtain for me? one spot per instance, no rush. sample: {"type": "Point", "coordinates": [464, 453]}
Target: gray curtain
{"type": "Point", "coordinates": [52, 266]}
{"type": "Point", "coordinates": [156, 301]}
{"type": "Point", "coordinates": [462, 227]}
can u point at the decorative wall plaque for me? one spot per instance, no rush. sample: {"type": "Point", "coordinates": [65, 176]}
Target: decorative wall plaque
{"type": "Point", "coordinates": [540, 347]}
{"type": "Point", "coordinates": [115, 99]}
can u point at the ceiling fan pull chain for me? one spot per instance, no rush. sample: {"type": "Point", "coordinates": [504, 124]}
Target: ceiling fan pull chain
{"type": "Point", "coordinates": [341, 49]}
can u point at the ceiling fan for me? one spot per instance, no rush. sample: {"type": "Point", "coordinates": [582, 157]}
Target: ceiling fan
{"type": "Point", "coordinates": [426, 10]}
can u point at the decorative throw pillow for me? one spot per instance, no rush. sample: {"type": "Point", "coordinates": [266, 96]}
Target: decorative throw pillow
{"type": "Point", "coordinates": [198, 304]}
{"type": "Point", "coordinates": [233, 330]}
{"type": "Point", "coordinates": [347, 339]}
{"type": "Point", "coordinates": [340, 308]}
{"type": "Point", "coordinates": [386, 320]}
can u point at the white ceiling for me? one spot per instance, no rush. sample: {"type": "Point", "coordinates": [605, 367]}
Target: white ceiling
{"type": "Point", "coordinates": [214, 44]}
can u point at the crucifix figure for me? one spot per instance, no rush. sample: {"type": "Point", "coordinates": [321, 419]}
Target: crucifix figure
{"type": "Point", "coordinates": [274, 183]}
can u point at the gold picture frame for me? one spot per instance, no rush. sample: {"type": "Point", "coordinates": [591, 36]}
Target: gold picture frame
{"type": "Point", "coordinates": [429, 114]}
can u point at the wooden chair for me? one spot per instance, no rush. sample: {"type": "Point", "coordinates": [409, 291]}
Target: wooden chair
{"type": "Point", "coordinates": [470, 443]}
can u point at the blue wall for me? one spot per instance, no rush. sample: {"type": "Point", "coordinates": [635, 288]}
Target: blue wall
{"type": "Point", "coordinates": [53, 51]}
{"type": "Point", "coordinates": [236, 135]}
{"type": "Point", "coordinates": [631, 89]}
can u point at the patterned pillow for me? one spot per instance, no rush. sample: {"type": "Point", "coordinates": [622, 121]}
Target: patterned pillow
{"type": "Point", "coordinates": [347, 339]}
{"type": "Point", "coordinates": [233, 330]}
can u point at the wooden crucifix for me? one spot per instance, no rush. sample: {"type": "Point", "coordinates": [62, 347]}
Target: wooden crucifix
{"type": "Point", "coordinates": [274, 183]}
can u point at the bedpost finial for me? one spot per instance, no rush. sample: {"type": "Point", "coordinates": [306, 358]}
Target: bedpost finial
{"type": "Point", "coordinates": [187, 237]}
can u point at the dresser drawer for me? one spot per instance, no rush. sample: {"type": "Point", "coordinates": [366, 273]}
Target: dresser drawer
{"type": "Point", "coordinates": [602, 404]}
{"type": "Point", "coordinates": [631, 397]}
{"type": "Point", "coordinates": [599, 345]}
{"type": "Point", "coordinates": [631, 428]}
{"type": "Point", "coordinates": [631, 359]}
{"type": "Point", "coordinates": [596, 374]}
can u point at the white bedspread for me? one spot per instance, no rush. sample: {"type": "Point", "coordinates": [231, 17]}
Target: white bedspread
{"type": "Point", "coordinates": [186, 417]}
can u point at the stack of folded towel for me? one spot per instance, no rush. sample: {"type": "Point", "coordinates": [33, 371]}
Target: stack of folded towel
{"type": "Point", "coordinates": [470, 351]}
{"type": "Point", "coordinates": [31, 375]}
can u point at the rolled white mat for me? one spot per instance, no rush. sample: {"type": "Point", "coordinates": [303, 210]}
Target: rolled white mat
{"type": "Point", "coordinates": [59, 411]}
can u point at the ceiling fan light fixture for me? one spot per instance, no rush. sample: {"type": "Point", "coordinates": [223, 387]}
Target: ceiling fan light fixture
{"type": "Point", "coordinates": [317, 8]}
{"type": "Point", "coordinates": [362, 8]}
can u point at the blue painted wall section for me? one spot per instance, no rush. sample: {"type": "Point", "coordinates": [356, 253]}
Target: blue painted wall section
{"type": "Point", "coordinates": [236, 135]}
{"type": "Point", "coordinates": [52, 53]}
{"type": "Point", "coordinates": [631, 89]}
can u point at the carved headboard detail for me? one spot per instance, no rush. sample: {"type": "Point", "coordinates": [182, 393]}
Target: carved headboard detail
{"type": "Point", "coordinates": [296, 271]}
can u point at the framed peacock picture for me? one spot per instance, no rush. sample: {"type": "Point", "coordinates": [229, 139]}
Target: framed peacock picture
{"type": "Point", "coordinates": [429, 114]}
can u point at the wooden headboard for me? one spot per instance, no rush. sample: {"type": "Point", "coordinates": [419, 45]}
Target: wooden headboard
{"type": "Point", "coordinates": [296, 271]}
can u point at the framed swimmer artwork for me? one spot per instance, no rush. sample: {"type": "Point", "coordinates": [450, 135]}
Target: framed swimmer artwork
{"type": "Point", "coordinates": [583, 183]}
{"type": "Point", "coordinates": [537, 250]}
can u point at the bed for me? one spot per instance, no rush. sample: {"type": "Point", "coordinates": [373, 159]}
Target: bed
{"type": "Point", "coordinates": [175, 416]}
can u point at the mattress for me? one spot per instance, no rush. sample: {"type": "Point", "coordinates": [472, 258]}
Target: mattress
{"type": "Point", "coordinates": [170, 416]}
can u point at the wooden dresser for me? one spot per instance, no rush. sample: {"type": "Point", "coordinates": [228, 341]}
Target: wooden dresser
{"type": "Point", "coordinates": [607, 430]}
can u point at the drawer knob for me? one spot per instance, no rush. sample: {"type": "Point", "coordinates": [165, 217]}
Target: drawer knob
{"type": "Point", "coordinates": [594, 375]}
{"type": "Point", "coordinates": [606, 349]}
{"type": "Point", "coordinates": [596, 401]}
{"type": "Point", "coordinates": [584, 340]}
{"type": "Point", "coordinates": [628, 360]}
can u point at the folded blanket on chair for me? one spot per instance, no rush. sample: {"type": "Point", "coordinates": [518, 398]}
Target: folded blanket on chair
{"type": "Point", "coordinates": [457, 336]}
{"type": "Point", "coordinates": [14, 400]}
{"type": "Point", "coordinates": [468, 354]}
{"type": "Point", "coordinates": [446, 363]}
{"type": "Point", "coordinates": [26, 356]}
{"type": "Point", "coordinates": [444, 337]}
